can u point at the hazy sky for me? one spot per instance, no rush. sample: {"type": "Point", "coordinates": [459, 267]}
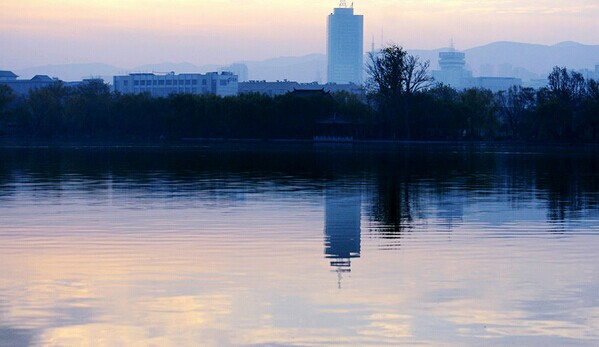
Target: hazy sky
{"type": "Point", "coordinates": [127, 33]}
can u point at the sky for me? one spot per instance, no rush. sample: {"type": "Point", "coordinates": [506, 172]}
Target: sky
{"type": "Point", "coordinates": [129, 33]}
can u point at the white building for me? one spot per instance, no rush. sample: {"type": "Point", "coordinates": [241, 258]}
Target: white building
{"type": "Point", "coordinates": [163, 85]}
{"type": "Point", "coordinates": [345, 46]}
{"type": "Point", "coordinates": [453, 71]}
{"type": "Point", "coordinates": [240, 70]}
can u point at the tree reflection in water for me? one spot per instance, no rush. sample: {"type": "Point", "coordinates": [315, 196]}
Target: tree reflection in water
{"type": "Point", "coordinates": [401, 182]}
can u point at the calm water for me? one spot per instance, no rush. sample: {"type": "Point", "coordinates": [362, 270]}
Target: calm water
{"type": "Point", "coordinates": [302, 246]}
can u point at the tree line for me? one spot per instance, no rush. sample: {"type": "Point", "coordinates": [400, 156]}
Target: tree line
{"type": "Point", "coordinates": [402, 103]}
{"type": "Point", "coordinates": [411, 106]}
{"type": "Point", "coordinates": [91, 111]}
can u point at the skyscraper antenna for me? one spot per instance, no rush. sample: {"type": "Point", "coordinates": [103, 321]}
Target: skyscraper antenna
{"type": "Point", "coordinates": [343, 4]}
{"type": "Point", "coordinates": [373, 50]}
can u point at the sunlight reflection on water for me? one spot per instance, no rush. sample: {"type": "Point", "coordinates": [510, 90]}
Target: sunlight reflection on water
{"type": "Point", "coordinates": [299, 247]}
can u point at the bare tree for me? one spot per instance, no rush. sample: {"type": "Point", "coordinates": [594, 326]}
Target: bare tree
{"type": "Point", "coordinates": [416, 75]}
{"type": "Point", "coordinates": [514, 105]}
{"type": "Point", "coordinates": [393, 73]}
{"type": "Point", "coordinates": [566, 84]}
{"type": "Point", "coordinates": [396, 76]}
{"type": "Point", "coordinates": [385, 69]}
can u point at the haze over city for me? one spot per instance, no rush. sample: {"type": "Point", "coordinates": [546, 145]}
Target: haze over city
{"type": "Point", "coordinates": [131, 33]}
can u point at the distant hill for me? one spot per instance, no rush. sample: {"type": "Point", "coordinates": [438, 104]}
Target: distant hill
{"type": "Point", "coordinates": [176, 67]}
{"type": "Point", "coordinates": [72, 72]}
{"type": "Point", "coordinates": [537, 58]}
{"type": "Point", "coordinates": [501, 58]}
{"type": "Point", "coordinates": [308, 68]}
{"type": "Point", "coordinates": [521, 57]}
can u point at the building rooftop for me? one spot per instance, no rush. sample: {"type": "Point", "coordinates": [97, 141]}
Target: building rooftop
{"type": "Point", "coordinates": [310, 92]}
{"type": "Point", "coordinates": [42, 78]}
{"type": "Point", "coordinates": [9, 74]}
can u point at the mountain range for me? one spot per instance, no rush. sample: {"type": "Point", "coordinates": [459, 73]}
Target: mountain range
{"type": "Point", "coordinates": [513, 58]}
{"type": "Point", "coordinates": [524, 60]}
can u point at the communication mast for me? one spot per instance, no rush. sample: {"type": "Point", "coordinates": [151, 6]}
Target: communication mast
{"type": "Point", "coordinates": [343, 4]}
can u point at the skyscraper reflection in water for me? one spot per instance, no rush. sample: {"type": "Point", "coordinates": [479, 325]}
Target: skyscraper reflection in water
{"type": "Point", "coordinates": [342, 226]}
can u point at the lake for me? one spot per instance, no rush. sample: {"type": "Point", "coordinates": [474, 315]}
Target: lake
{"type": "Point", "coordinates": [299, 245]}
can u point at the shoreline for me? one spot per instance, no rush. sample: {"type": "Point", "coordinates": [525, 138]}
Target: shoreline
{"type": "Point", "coordinates": [7, 143]}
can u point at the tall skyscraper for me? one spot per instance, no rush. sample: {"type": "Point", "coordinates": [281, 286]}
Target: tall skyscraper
{"type": "Point", "coordinates": [345, 45]}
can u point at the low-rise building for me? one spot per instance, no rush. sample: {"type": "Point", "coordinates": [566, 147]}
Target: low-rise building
{"type": "Point", "coordinates": [283, 87]}
{"type": "Point", "coordinates": [163, 85]}
{"type": "Point", "coordinates": [536, 83]}
{"type": "Point", "coordinates": [494, 84]}
{"type": "Point", "coordinates": [23, 87]}
{"type": "Point", "coordinates": [83, 82]}
{"type": "Point", "coordinates": [7, 76]}
{"type": "Point", "coordinates": [268, 88]}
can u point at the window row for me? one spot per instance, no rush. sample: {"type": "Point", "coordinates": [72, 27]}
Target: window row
{"type": "Point", "coordinates": [165, 82]}
{"type": "Point", "coordinates": [168, 91]}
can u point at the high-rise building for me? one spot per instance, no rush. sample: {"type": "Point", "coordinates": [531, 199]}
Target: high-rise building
{"type": "Point", "coordinates": [345, 45]}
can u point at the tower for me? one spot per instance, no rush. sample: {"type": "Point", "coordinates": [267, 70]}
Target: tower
{"type": "Point", "coordinates": [345, 45]}
{"type": "Point", "coordinates": [453, 68]}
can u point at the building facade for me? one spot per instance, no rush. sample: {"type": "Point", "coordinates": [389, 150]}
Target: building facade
{"type": "Point", "coordinates": [163, 85]}
{"type": "Point", "coordinates": [7, 76]}
{"type": "Point", "coordinates": [23, 87]}
{"type": "Point", "coordinates": [345, 46]}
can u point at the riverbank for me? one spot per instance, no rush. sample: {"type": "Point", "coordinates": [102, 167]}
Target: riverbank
{"type": "Point", "coordinates": [275, 143]}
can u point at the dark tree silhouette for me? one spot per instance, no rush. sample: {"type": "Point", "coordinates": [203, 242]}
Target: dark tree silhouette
{"type": "Point", "coordinates": [403, 105]}
{"type": "Point", "coordinates": [516, 105]}
{"type": "Point", "coordinates": [395, 77]}
{"type": "Point", "coordinates": [394, 73]}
